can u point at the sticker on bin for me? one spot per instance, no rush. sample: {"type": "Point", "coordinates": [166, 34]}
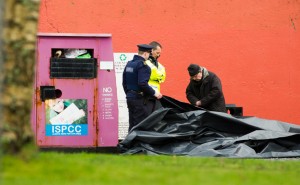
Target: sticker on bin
{"type": "Point", "coordinates": [66, 117]}
{"type": "Point", "coordinates": [107, 65]}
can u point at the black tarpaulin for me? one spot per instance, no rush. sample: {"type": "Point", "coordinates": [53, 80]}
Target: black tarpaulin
{"type": "Point", "coordinates": [182, 129]}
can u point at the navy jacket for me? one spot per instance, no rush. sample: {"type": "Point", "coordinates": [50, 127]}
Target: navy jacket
{"type": "Point", "coordinates": [136, 75]}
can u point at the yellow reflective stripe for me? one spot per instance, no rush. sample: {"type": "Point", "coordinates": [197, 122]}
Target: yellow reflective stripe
{"type": "Point", "coordinates": [149, 63]}
{"type": "Point", "coordinates": [155, 85]}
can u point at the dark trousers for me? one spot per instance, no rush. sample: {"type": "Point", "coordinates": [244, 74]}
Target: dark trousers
{"type": "Point", "coordinates": [139, 109]}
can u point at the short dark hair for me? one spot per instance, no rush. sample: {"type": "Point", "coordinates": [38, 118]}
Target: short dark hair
{"type": "Point", "coordinates": [155, 44]}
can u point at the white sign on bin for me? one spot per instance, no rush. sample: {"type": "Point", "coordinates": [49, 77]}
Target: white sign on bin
{"type": "Point", "coordinates": [107, 65]}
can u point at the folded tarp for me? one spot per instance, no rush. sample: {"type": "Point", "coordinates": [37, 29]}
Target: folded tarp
{"type": "Point", "coordinates": [182, 129]}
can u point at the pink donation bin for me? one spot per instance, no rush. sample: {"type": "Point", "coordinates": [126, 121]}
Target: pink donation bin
{"type": "Point", "coordinates": [75, 97]}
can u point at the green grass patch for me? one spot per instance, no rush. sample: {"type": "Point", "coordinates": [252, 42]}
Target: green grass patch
{"type": "Point", "coordinates": [93, 168]}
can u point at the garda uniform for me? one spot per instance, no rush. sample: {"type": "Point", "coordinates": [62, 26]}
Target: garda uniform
{"type": "Point", "coordinates": [136, 75]}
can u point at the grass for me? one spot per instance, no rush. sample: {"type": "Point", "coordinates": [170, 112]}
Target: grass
{"type": "Point", "coordinates": [40, 168]}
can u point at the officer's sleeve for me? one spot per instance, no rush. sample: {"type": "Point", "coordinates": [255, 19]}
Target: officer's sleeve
{"type": "Point", "coordinates": [144, 73]}
{"type": "Point", "coordinates": [163, 74]}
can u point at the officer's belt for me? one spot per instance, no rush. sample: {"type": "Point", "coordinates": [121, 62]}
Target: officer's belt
{"type": "Point", "coordinates": [136, 92]}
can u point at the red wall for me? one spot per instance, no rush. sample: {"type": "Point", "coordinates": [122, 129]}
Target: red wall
{"type": "Point", "coordinates": [252, 45]}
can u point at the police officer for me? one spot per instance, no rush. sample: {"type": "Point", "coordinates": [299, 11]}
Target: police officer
{"type": "Point", "coordinates": [158, 72]}
{"type": "Point", "coordinates": [136, 75]}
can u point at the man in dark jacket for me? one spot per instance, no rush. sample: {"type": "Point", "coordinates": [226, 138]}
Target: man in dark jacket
{"type": "Point", "coordinates": [205, 89]}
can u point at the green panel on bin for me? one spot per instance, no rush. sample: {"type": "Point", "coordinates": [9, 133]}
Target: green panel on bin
{"type": "Point", "coordinates": [73, 68]}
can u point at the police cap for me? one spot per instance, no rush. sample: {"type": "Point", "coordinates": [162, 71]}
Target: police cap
{"type": "Point", "coordinates": [145, 47]}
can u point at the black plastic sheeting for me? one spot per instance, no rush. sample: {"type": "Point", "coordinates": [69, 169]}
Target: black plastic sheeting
{"type": "Point", "coordinates": [182, 129]}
